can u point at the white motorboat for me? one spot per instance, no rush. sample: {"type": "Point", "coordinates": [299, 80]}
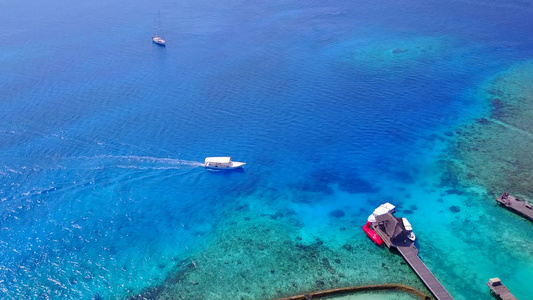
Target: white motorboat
{"type": "Point", "coordinates": [409, 228]}
{"type": "Point", "coordinates": [222, 163]}
{"type": "Point", "coordinates": [381, 210]}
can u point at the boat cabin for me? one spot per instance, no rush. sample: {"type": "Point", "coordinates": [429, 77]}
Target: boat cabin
{"type": "Point", "coordinates": [495, 281]}
{"type": "Point", "coordinates": [218, 162]}
{"type": "Point", "coordinates": [222, 163]}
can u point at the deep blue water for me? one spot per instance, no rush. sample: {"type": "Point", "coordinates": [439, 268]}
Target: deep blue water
{"type": "Point", "coordinates": [103, 132]}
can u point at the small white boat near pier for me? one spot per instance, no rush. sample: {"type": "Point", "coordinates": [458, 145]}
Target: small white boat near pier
{"type": "Point", "coordinates": [409, 229]}
{"type": "Point", "coordinates": [381, 210]}
{"type": "Point", "coordinates": [222, 163]}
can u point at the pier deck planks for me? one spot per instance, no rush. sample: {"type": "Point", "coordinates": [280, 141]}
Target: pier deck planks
{"type": "Point", "coordinates": [502, 292]}
{"type": "Point", "coordinates": [516, 205]}
{"type": "Point", "coordinates": [410, 254]}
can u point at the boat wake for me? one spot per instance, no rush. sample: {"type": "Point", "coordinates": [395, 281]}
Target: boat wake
{"type": "Point", "coordinates": [100, 162]}
{"type": "Point", "coordinates": [158, 160]}
{"type": "Point", "coordinates": [138, 162]}
{"type": "Point", "coordinates": [79, 172]}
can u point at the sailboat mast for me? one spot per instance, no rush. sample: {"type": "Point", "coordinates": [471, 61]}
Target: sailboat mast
{"type": "Point", "coordinates": [158, 37]}
{"type": "Point", "coordinates": [159, 27]}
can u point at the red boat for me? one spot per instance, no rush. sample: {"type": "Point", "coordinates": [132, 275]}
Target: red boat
{"type": "Point", "coordinates": [372, 234]}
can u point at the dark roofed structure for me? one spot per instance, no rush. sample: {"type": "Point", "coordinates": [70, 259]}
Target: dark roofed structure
{"type": "Point", "coordinates": [393, 227]}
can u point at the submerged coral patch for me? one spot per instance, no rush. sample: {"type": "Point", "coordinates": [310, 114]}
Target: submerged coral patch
{"type": "Point", "coordinates": [403, 176]}
{"type": "Point", "coordinates": [494, 150]}
{"type": "Point", "coordinates": [337, 213]}
{"type": "Point", "coordinates": [353, 183]}
{"type": "Point", "coordinates": [320, 181]}
{"type": "Point", "coordinates": [392, 51]}
{"type": "Point", "coordinates": [455, 209]}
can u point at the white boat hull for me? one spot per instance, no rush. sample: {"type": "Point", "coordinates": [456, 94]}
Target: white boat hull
{"type": "Point", "coordinates": [159, 41]}
{"type": "Point", "coordinates": [233, 165]}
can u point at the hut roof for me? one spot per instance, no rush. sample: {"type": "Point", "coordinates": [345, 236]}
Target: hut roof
{"type": "Point", "coordinates": [392, 226]}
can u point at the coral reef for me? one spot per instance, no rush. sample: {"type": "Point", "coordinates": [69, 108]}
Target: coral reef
{"type": "Point", "coordinates": [254, 256]}
{"type": "Point", "coordinates": [494, 151]}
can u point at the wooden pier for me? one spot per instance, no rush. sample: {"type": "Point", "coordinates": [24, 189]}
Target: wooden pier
{"type": "Point", "coordinates": [501, 291]}
{"type": "Point", "coordinates": [516, 205]}
{"type": "Point", "coordinates": [410, 254]}
{"type": "Point", "coordinates": [394, 236]}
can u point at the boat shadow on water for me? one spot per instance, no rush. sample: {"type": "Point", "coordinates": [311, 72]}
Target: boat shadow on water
{"type": "Point", "coordinates": [158, 45]}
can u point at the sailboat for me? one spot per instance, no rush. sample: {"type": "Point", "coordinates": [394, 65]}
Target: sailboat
{"type": "Point", "coordinates": [158, 37]}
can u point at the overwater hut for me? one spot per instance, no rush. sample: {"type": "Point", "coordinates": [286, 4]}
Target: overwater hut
{"type": "Point", "coordinates": [394, 228]}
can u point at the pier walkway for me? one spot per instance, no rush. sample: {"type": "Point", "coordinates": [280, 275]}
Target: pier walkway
{"type": "Point", "coordinates": [410, 254]}
{"type": "Point", "coordinates": [501, 291]}
{"type": "Point", "coordinates": [516, 205]}
{"type": "Point", "coordinates": [391, 232]}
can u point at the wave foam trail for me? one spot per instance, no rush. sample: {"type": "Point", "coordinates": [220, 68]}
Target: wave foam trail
{"type": "Point", "coordinates": [103, 162]}
{"type": "Point", "coordinates": [125, 162]}
{"type": "Point", "coordinates": [159, 161]}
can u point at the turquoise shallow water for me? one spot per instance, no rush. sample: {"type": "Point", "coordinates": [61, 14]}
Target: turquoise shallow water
{"type": "Point", "coordinates": [335, 106]}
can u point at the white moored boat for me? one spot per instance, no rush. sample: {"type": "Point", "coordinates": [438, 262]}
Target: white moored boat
{"type": "Point", "coordinates": [409, 228]}
{"type": "Point", "coordinates": [159, 40]}
{"type": "Point", "coordinates": [222, 163]}
{"type": "Point", "coordinates": [158, 37]}
{"type": "Point", "coordinates": [381, 210]}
